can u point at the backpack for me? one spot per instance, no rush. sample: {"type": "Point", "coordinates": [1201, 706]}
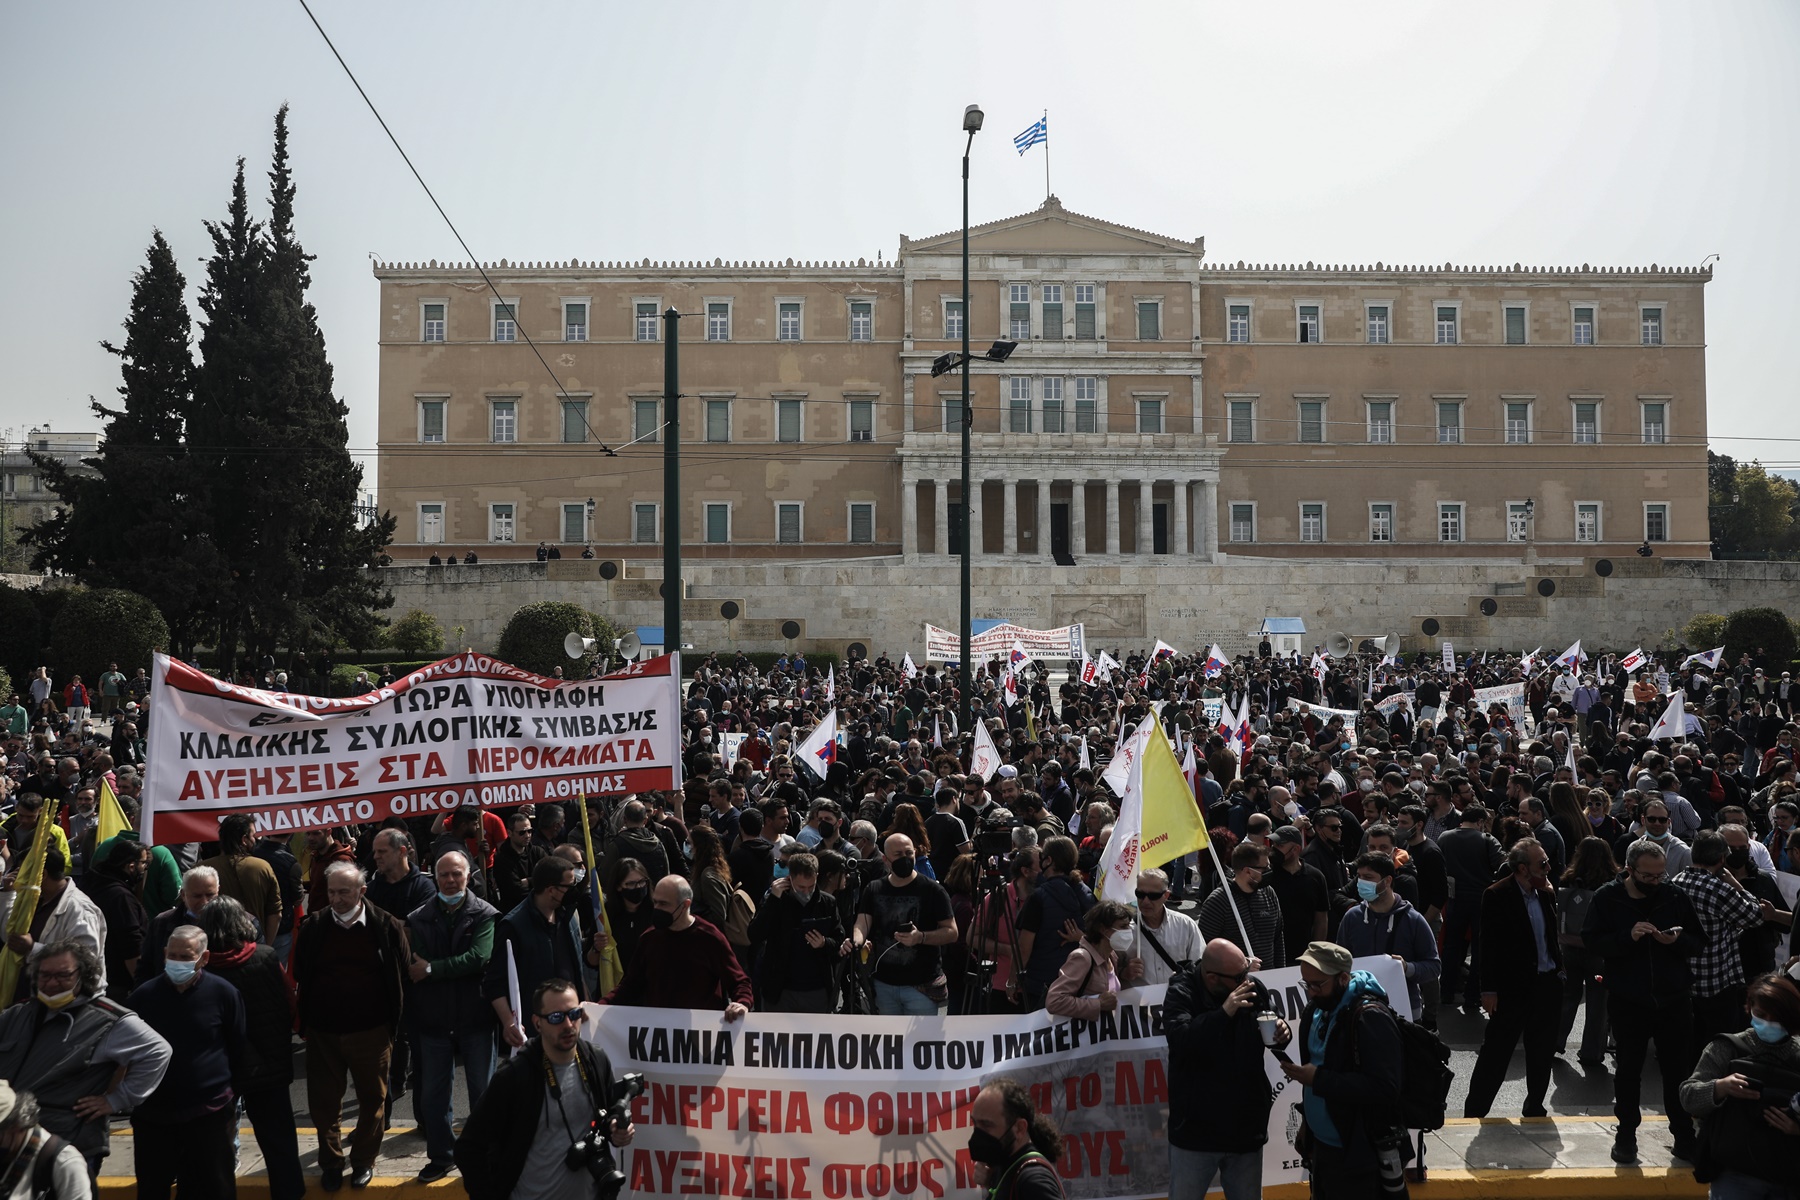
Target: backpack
{"type": "Point", "coordinates": [43, 1167]}
{"type": "Point", "coordinates": [1425, 1074]}
{"type": "Point", "coordinates": [740, 910]}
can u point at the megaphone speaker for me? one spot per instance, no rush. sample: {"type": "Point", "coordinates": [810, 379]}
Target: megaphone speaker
{"type": "Point", "coordinates": [1338, 644]}
{"type": "Point", "coordinates": [575, 645]}
{"type": "Point", "coordinates": [629, 645]}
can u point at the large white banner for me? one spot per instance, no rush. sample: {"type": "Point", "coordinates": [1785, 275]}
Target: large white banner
{"type": "Point", "coordinates": [1295, 704]}
{"type": "Point", "coordinates": [1510, 694]}
{"type": "Point", "coordinates": [850, 1107]}
{"type": "Point", "coordinates": [944, 645]}
{"type": "Point", "coordinates": [467, 730]}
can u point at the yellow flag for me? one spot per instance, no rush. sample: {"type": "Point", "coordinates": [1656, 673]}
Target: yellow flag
{"type": "Point", "coordinates": [1030, 725]}
{"type": "Point", "coordinates": [1172, 823]}
{"type": "Point", "coordinates": [611, 970]}
{"type": "Point", "coordinates": [26, 889]}
{"type": "Point", "coordinates": [112, 814]}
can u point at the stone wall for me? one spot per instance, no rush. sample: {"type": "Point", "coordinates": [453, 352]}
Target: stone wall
{"type": "Point", "coordinates": [884, 602]}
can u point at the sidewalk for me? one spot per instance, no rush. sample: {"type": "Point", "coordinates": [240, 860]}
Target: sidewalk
{"type": "Point", "coordinates": [1543, 1158]}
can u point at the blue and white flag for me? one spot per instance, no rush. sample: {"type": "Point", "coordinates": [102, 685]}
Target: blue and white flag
{"type": "Point", "coordinates": [1038, 131]}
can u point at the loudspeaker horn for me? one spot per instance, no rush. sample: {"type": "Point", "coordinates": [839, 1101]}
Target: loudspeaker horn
{"type": "Point", "coordinates": [575, 645]}
{"type": "Point", "coordinates": [1338, 644]}
{"type": "Point", "coordinates": [628, 646]}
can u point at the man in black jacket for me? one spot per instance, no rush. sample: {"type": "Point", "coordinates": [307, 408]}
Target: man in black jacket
{"type": "Point", "coordinates": [513, 862]}
{"type": "Point", "coordinates": [1350, 1068]}
{"type": "Point", "coordinates": [1645, 931]}
{"type": "Point", "coordinates": [802, 938]}
{"type": "Point", "coordinates": [1521, 980]}
{"type": "Point", "coordinates": [538, 1105]}
{"type": "Point", "coordinates": [545, 943]}
{"type": "Point", "coordinates": [1216, 1049]}
{"type": "Point", "coordinates": [452, 940]}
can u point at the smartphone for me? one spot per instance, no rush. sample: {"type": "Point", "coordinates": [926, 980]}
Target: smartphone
{"type": "Point", "coordinates": [906, 928]}
{"type": "Point", "coordinates": [1676, 929]}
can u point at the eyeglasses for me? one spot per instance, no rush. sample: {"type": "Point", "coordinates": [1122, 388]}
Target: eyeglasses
{"type": "Point", "coordinates": [1650, 820]}
{"type": "Point", "coordinates": [1239, 977]}
{"type": "Point", "coordinates": [58, 976]}
{"type": "Point", "coordinates": [1656, 878]}
{"type": "Point", "coordinates": [1151, 895]}
{"type": "Point", "coordinates": [1332, 828]}
{"type": "Point", "coordinates": [573, 1016]}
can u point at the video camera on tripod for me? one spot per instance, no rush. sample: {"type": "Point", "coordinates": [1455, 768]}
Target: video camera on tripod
{"type": "Point", "coordinates": [994, 835]}
{"type": "Point", "coordinates": [592, 1151]}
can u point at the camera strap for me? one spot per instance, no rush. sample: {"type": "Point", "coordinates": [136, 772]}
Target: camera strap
{"type": "Point", "coordinates": [1157, 946]}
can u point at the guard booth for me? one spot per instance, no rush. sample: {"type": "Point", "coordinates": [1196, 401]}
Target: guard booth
{"type": "Point", "coordinates": [1286, 634]}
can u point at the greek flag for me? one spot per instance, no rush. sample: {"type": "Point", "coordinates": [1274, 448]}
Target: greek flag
{"type": "Point", "coordinates": [1039, 131]}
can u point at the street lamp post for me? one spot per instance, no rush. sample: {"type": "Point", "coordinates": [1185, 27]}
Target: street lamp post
{"type": "Point", "coordinates": [671, 481]}
{"type": "Point", "coordinates": [971, 126]}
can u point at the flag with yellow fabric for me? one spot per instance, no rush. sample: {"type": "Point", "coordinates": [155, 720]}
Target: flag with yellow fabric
{"type": "Point", "coordinates": [1158, 818]}
{"type": "Point", "coordinates": [27, 886]}
{"type": "Point", "coordinates": [113, 821]}
{"type": "Point", "coordinates": [611, 969]}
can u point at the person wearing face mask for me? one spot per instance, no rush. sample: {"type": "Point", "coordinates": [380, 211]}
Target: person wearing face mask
{"type": "Point", "coordinates": [802, 938]}
{"type": "Point", "coordinates": [1727, 910]}
{"type": "Point", "coordinates": [1089, 981]}
{"type": "Point", "coordinates": [545, 943]}
{"type": "Point", "coordinates": [683, 961]}
{"type": "Point", "coordinates": [1654, 825]}
{"type": "Point", "coordinates": [906, 918]}
{"type": "Point", "coordinates": [1014, 1147]}
{"type": "Point", "coordinates": [1384, 923]}
{"type": "Point", "coordinates": [1757, 944]}
{"type": "Point", "coordinates": [1258, 907]}
{"type": "Point", "coordinates": [1216, 1049]}
{"type": "Point", "coordinates": [69, 1045]}
{"type": "Point", "coordinates": [349, 964]}
{"type": "Point", "coordinates": [184, 1130]}
{"type": "Point", "coordinates": [451, 937]}
{"type": "Point", "coordinates": [64, 913]}
{"type": "Point", "coordinates": [1521, 972]}
{"type": "Point", "coordinates": [1751, 1140]}
{"type": "Point", "coordinates": [628, 907]}
{"type": "Point", "coordinates": [113, 883]}
{"type": "Point", "coordinates": [1645, 931]}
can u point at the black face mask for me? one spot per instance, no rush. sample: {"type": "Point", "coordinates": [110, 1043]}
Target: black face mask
{"type": "Point", "coordinates": [1738, 860]}
{"type": "Point", "coordinates": [1650, 890]}
{"type": "Point", "coordinates": [903, 867]}
{"type": "Point", "coordinates": [984, 1147]}
{"type": "Point", "coordinates": [827, 831]}
{"type": "Point", "coordinates": [662, 918]}
{"type": "Point", "coordinates": [637, 893]}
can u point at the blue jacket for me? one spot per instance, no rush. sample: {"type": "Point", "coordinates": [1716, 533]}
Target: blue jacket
{"type": "Point", "coordinates": [1402, 930]}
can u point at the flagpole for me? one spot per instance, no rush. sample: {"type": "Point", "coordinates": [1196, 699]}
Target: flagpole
{"type": "Point", "coordinates": [1046, 154]}
{"type": "Point", "coordinates": [1227, 885]}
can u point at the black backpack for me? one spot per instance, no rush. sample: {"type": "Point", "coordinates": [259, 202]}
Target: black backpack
{"type": "Point", "coordinates": [1425, 1074]}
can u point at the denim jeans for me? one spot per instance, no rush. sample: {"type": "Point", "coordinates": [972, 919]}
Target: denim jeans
{"type": "Point", "coordinates": [903, 1000]}
{"type": "Point", "coordinates": [1191, 1173]}
{"type": "Point", "coordinates": [436, 1053]}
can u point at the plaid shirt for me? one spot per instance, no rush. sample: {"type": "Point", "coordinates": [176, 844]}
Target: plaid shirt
{"type": "Point", "coordinates": [1725, 913]}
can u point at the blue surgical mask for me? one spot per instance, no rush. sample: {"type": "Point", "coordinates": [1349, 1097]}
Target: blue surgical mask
{"type": "Point", "coordinates": [180, 973]}
{"type": "Point", "coordinates": [452, 901]}
{"type": "Point", "coordinates": [1367, 890]}
{"type": "Point", "coordinates": [1768, 1031]}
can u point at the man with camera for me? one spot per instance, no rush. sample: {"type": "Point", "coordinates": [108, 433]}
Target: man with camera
{"type": "Point", "coordinates": [542, 1128]}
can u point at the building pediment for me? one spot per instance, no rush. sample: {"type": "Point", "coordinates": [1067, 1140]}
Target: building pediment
{"type": "Point", "coordinates": [1052, 230]}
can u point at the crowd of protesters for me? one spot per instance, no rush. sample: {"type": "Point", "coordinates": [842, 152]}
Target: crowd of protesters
{"type": "Point", "coordinates": [1526, 864]}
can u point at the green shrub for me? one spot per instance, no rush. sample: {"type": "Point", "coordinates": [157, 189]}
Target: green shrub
{"type": "Point", "coordinates": [21, 632]}
{"type": "Point", "coordinates": [1704, 631]}
{"type": "Point", "coordinates": [1767, 629]}
{"type": "Point", "coordinates": [417, 634]}
{"type": "Point", "coordinates": [533, 638]}
{"type": "Point", "coordinates": [97, 626]}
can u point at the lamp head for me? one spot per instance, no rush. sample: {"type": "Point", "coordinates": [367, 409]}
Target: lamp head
{"type": "Point", "coordinates": [972, 119]}
{"type": "Point", "coordinates": [1000, 351]}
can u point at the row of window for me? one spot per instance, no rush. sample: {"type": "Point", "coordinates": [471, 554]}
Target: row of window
{"type": "Point", "coordinates": [646, 420]}
{"type": "Point", "coordinates": [1446, 330]}
{"type": "Point", "coordinates": [645, 522]}
{"type": "Point", "coordinates": [790, 324]}
{"type": "Point", "coordinates": [1451, 526]}
{"type": "Point", "coordinates": [1518, 425]}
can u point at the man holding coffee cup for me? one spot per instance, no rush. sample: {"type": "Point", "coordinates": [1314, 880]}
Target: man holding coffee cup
{"type": "Point", "coordinates": [1218, 1031]}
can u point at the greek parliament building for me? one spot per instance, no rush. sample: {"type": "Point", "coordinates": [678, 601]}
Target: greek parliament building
{"type": "Point", "coordinates": [1157, 404]}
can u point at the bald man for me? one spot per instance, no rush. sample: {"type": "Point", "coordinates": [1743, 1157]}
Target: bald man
{"type": "Point", "coordinates": [907, 919]}
{"type": "Point", "coordinates": [683, 961]}
{"type": "Point", "coordinates": [1216, 1049]}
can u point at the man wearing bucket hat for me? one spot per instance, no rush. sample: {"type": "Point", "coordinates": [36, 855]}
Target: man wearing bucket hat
{"type": "Point", "coordinates": [39, 1162]}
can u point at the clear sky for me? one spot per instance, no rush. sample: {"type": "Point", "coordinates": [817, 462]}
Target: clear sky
{"type": "Point", "coordinates": [1551, 134]}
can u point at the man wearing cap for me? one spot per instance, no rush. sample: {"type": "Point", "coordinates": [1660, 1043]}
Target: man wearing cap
{"type": "Point", "coordinates": [43, 1164]}
{"type": "Point", "coordinates": [1350, 1069]}
{"type": "Point", "coordinates": [1298, 885]}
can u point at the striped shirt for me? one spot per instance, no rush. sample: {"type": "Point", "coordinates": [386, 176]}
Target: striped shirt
{"type": "Point", "coordinates": [1261, 911]}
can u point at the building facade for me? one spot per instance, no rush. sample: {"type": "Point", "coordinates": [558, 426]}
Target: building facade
{"type": "Point", "coordinates": [25, 499]}
{"type": "Point", "coordinates": [1156, 405]}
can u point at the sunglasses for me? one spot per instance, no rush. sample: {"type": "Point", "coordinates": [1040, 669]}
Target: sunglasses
{"type": "Point", "coordinates": [1649, 820]}
{"type": "Point", "coordinates": [1151, 895]}
{"type": "Point", "coordinates": [574, 1016]}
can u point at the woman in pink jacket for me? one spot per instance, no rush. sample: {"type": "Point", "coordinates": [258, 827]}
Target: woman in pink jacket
{"type": "Point", "coordinates": [1089, 983]}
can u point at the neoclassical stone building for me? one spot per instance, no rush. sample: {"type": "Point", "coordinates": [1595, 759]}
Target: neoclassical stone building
{"type": "Point", "coordinates": [1157, 404]}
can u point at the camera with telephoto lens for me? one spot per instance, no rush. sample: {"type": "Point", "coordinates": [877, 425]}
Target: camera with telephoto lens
{"type": "Point", "coordinates": [994, 834]}
{"type": "Point", "coordinates": [592, 1151]}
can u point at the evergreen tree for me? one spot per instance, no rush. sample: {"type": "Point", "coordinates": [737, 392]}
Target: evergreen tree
{"type": "Point", "coordinates": [133, 523]}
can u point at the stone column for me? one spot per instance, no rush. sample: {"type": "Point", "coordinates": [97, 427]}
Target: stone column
{"type": "Point", "coordinates": [909, 516]}
{"type": "Point", "coordinates": [1145, 527]}
{"type": "Point", "coordinates": [1112, 515]}
{"type": "Point", "coordinates": [942, 519]}
{"type": "Point", "coordinates": [1078, 518]}
{"type": "Point", "coordinates": [1178, 524]}
{"type": "Point", "coordinates": [1009, 516]}
{"type": "Point", "coordinates": [977, 543]}
{"type": "Point", "coordinates": [1206, 518]}
{"type": "Point", "coordinates": [1043, 518]}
